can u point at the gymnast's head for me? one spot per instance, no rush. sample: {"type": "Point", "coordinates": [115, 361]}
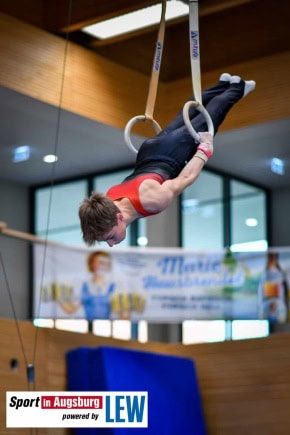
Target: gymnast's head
{"type": "Point", "coordinates": [101, 220]}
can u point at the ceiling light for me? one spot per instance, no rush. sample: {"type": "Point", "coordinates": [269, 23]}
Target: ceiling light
{"type": "Point", "coordinates": [277, 166]}
{"type": "Point", "coordinates": [50, 158]}
{"type": "Point", "coordinates": [251, 222]}
{"type": "Point", "coordinates": [142, 241]}
{"type": "Point", "coordinates": [136, 20]}
{"type": "Point", "coordinates": [22, 153]}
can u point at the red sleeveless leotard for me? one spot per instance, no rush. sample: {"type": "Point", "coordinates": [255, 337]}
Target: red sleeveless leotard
{"type": "Point", "coordinates": [130, 189]}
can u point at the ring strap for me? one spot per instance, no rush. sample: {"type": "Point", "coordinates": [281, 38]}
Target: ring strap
{"type": "Point", "coordinates": [195, 73]}
{"type": "Point", "coordinates": [153, 85]}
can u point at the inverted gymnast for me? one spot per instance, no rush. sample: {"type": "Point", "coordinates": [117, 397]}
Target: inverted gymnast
{"type": "Point", "coordinates": [165, 165]}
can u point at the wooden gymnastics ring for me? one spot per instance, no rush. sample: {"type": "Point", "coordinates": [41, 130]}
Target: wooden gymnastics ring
{"type": "Point", "coordinates": [131, 123]}
{"type": "Point", "coordinates": [191, 130]}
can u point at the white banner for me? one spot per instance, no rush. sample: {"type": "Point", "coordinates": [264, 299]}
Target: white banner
{"type": "Point", "coordinates": [160, 285]}
{"type": "Point", "coordinates": [76, 409]}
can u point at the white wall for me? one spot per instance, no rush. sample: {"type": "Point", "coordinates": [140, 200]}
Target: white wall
{"type": "Point", "coordinates": [14, 267]}
{"type": "Point", "coordinates": [280, 215]}
{"type": "Point", "coordinates": [162, 229]}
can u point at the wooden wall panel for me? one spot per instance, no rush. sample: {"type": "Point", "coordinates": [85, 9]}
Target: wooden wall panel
{"type": "Point", "coordinates": [15, 380]}
{"type": "Point", "coordinates": [269, 101]}
{"type": "Point", "coordinates": [245, 385]}
{"type": "Point", "coordinates": [32, 64]}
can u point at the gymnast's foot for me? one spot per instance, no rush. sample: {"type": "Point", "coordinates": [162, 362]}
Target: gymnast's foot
{"type": "Point", "coordinates": [249, 84]}
{"type": "Point", "coordinates": [225, 77]}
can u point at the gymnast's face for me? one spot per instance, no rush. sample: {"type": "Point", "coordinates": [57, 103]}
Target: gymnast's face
{"type": "Point", "coordinates": [118, 233]}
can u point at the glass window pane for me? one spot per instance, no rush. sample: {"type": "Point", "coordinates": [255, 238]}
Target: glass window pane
{"type": "Point", "coordinates": [203, 331]}
{"type": "Point", "coordinates": [103, 182]}
{"type": "Point", "coordinates": [57, 209]}
{"type": "Point", "coordinates": [121, 329]}
{"type": "Point", "coordinates": [143, 331]}
{"type": "Point", "coordinates": [102, 328]}
{"type": "Point", "coordinates": [44, 323]}
{"type": "Point", "coordinates": [248, 209]}
{"type": "Point", "coordinates": [202, 213]}
{"type": "Point", "coordinates": [242, 329]}
{"type": "Point", "coordinates": [238, 188]}
{"type": "Point", "coordinates": [71, 237]}
{"type": "Point", "coordinates": [72, 325]}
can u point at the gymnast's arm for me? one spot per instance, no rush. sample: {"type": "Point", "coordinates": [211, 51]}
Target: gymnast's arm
{"type": "Point", "coordinates": [164, 194]}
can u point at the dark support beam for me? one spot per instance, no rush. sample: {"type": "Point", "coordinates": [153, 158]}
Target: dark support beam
{"type": "Point", "coordinates": [208, 7]}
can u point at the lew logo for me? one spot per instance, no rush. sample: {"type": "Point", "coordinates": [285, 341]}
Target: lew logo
{"type": "Point", "coordinates": [125, 408]}
{"type": "Point", "coordinates": [194, 45]}
{"type": "Point", "coordinates": [59, 409]}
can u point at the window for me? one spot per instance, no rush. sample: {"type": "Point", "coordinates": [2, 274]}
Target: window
{"type": "Point", "coordinates": [249, 329]}
{"type": "Point", "coordinates": [211, 219]}
{"type": "Point", "coordinates": [56, 212]}
{"type": "Point", "coordinates": [201, 210]}
{"type": "Point", "coordinates": [73, 325]}
{"type": "Point", "coordinates": [203, 331]}
{"type": "Point", "coordinates": [248, 217]}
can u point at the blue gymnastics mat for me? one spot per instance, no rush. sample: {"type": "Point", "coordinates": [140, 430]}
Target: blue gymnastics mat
{"type": "Point", "coordinates": [174, 403]}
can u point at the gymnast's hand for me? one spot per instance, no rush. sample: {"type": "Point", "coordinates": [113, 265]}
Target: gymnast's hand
{"type": "Point", "coordinates": [206, 139]}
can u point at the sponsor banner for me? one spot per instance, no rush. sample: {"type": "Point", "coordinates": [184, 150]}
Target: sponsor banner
{"type": "Point", "coordinates": [160, 285]}
{"type": "Point", "coordinates": [76, 409]}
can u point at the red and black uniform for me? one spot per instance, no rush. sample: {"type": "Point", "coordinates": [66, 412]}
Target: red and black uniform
{"type": "Point", "coordinates": [130, 190]}
{"type": "Point", "coordinates": [166, 154]}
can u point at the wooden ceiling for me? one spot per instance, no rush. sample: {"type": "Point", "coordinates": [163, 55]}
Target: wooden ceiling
{"type": "Point", "coordinates": [231, 31]}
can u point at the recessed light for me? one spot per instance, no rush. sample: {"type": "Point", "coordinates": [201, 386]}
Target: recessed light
{"type": "Point", "coordinates": [277, 166]}
{"type": "Point", "coordinates": [142, 241]}
{"type": "Point", "coordinates": [50, 158]}
{"type": "Point", "coordinates": [251, 222]}
{"type": "Point", "coordinates": [21, 153]}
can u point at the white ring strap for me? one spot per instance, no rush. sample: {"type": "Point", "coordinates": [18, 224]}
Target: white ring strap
{"type": "Point", "coordinates": [195, 49]}
{"type": "Point", "coordinates": [152, 92]}
{"type": "Point", "coordinates": [131, 123]}
{"type": "Point", "coordinates": [195, 73]}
